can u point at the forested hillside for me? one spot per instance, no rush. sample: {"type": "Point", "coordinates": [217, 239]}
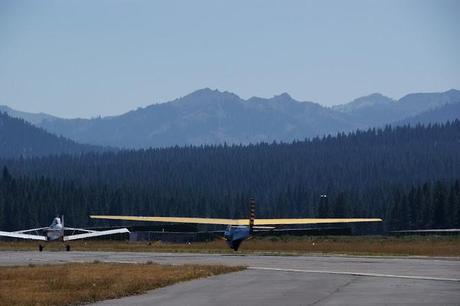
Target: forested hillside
{"type": "Point", "coordinates": [364, 174]}
{"type": "Point", "coordinates": [26, 203]}
{"type": "Point", "coordinates": [447, 112]}
{"type": "Point", "coordinates": [19, 138]}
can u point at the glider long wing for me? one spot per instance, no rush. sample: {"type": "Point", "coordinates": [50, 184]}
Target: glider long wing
{"type": "Point", "coordinates": [239, 221]}
{"type": "Point", "coordinates": [313, 221]}
{"type": "Point", "coordinates": [176, 220]}
{"type": "Point", "coordinates": [22, 236]}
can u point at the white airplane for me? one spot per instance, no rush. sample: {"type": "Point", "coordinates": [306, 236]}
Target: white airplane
{"type": "Point", "coordinates": [55, 232]}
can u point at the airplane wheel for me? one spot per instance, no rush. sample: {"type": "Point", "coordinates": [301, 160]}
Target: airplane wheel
{"type": "Point", "coordinates": [40, 248]}
{"type": "Point", "coordinates": [67, 248]}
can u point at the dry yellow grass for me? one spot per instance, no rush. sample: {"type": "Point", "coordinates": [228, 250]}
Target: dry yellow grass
{"type": "Point", "coordinates": [73, 284]}
{"type": "Point", "coordinates": [360, 245]}
{"type": "Point", "coordinates": [422, 246]}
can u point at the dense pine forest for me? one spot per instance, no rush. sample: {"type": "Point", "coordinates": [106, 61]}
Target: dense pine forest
{"type": "Point", "coordinates": [407, 175]}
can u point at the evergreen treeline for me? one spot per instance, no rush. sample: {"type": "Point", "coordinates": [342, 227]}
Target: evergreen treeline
{"type": "Point", "coordinates": [371, 173]}
{"type": "Point", "coordinates": [435, 205]}
{"type": "Point", "coordinates": [20, 138]}
{"type": "Point", "coordinates": [26, 203]}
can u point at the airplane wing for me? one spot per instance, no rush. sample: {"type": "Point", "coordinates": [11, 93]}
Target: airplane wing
{"type": "Point", "coordinates": [95, 234]}
{"type": "Point", "coordinates": [22, 236]}
{"type": "Point", "coordinates": [176, 220]}
{"type": "Point", "coordinates": [313, 221]}
{"type": "Point", "coordinates": [30, 230]}
{"type": "Point", "coordinates": [79, 229]}
{"type": "Point", "coordinates": [239, 221]}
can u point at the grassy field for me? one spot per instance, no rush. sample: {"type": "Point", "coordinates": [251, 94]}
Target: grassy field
{"type": "Point", "coordinates": [74, 284]}
{"type": "Point", "coordinates": [356, 245]}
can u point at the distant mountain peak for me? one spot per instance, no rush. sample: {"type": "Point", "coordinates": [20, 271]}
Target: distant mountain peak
{"type": "Point", "coordinates": [210, 92]}
{"type": "Point", "coordinates": [375, 95]}
{"type": "Point", "coordinates": [371, 100]}
{"type": "Point", "coordinates": [453, 91]}
{"type": "Point", "coordinates": [202, 91]}
{"type": "Point", "coordinates": [283, 97]}
{"type": "Point", "coordinates": [207, 96]}
{"type": "Point", "coordinates": [34, 118]}
{"type": "Point", "coordinates": [276, 99]}
{"type": "Point", "coordinates": [5, 108]}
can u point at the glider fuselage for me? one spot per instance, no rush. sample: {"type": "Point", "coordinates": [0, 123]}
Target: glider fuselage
{"type": "Point", "coordinates": [234, 235]}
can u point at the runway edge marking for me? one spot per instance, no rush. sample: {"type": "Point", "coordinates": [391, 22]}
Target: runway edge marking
{"type": "Point", "coordinates": [358, 274]}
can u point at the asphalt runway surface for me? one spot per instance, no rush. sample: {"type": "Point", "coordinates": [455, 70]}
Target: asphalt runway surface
{"type": "Point", "coordinates": [285, 280]}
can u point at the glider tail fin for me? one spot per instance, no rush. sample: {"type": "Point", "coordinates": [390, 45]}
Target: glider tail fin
{"type": "Point", "coordinates": [252, 214]}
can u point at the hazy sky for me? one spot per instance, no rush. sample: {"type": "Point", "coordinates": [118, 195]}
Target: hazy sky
{"type": "Point", "coordinates": [88, 58]}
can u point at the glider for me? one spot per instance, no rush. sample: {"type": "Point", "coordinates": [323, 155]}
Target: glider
{"type": "Point", "coordinates": [239, 230]}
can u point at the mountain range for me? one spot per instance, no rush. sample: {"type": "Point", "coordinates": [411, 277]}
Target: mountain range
{"type": "Point", "coordinates": [20, 138]}
{"type": "Point", "coordinates": [213, 117]}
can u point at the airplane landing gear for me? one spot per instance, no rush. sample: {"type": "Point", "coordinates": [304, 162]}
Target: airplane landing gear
{"type": "Point", "coordinates": [40, 248]}
{"type": "Point", "coordinates": [235, 245]}
{"type": "Point", "coordinates": [67, 248]}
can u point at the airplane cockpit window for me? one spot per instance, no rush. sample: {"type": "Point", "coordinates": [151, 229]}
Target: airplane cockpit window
{"type": "Point", "coordinates": [55, 222]}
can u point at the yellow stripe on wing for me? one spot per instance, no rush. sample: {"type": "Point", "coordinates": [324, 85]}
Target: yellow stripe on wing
{"type": "Point", "coordinates": [313, 221]}
{"type": "Point", "coordinates": [177, 220]}
{"type": "Point", "coordinates": [238, 221]}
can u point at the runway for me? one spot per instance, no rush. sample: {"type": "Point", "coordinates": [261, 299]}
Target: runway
{"type": "Point", "coordinates": [285, 280]}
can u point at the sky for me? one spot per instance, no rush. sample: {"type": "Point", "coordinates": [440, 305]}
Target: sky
{"type": "Point", "coordinates": [89, 58]}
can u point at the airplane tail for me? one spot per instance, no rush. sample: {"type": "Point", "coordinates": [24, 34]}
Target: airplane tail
{"type": "Point", "coordinates": [252, 214]}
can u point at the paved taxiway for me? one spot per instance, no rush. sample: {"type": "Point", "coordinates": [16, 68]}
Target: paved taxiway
{"type": "Point", "coordinates": [286, 280]}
